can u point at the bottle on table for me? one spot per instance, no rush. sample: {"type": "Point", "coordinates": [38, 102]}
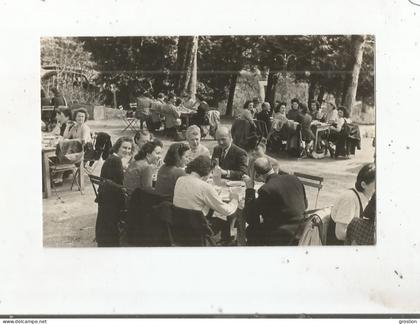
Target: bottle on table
{"type": "Point", "coordinates": [217, 173]}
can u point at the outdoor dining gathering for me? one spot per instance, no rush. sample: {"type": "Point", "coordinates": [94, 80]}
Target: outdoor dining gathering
{"type": "Point", "coordinates": [216, 141]}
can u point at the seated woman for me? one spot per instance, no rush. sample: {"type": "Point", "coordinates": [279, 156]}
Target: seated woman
{"type": "Point", "coordinates": [193, 192]}
{"type": "Point", "coordinates": [110, 196]}
{"type": "Point", "coordinates": [247, 112]}
{"type": "Point", "coordinates": [79, 130]}
{"type": "Point", "coordinates": [193, 136]}
{"type": "Point", "coordinates": [343, 117]}
{"type": "Point", "coordinates": [279, 131]}
{"type": "Point", "coordinates": [315, 110]}
{"type": "Point", "coordinates": [258, 152]}
{"type": "Point", "coordinates": [173, 168]}
{"type": "Point", "coordinates": [337, 137]}
{"type": "Point", "coordinates": [332, 113]}
{"type": "Point", "coordinates": [351, 204]}
{"type": "Point", "coordinates": [305, 120]}
{"type": "Point", "coordinates": [140, 171]}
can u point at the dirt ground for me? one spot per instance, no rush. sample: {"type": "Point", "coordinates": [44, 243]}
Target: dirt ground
{"type": "Point", "coordinates": [69, 216]}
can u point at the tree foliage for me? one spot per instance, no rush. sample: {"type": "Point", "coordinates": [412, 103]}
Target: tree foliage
{"type": "Point", "coordinates": [136, 64]}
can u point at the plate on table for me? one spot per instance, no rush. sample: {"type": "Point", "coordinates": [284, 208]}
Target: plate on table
{"type": "Point", "coordinates": [235, 183]}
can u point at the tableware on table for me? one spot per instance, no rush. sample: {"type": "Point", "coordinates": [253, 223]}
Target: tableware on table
{"type": "Point", "coordinates": [237, 183]}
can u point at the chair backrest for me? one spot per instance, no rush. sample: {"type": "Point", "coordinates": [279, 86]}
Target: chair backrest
{"type": "Point", "coordinates": [319, 218]}
{"type": "Point", "coordinates": [311, 181]}
{"type": "Point", "coordinates": [189, 227]}
{"type": "Point", "coordinates": [141, 224]}
{"type": "Point", "coordinates": [96, 182]}
{"type": "Point", "coordinates": [69, 151]}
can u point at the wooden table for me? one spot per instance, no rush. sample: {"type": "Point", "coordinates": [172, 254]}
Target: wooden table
{"type": "Point", "coordinates": [48, 152]}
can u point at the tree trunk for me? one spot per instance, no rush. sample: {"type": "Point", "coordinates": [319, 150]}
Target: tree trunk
{"type": "Point", "coordinates": [357, 46]}
{"type": "Point", "coordinates": [232, 87]}
{"type": "Point", "coordinates": [270, 95]}
{"type": "Point", "coordinates": [186, 65]}
{"type": "Point", "coordinates": [192, 88]}
{"type": "Point", "coordinates": [311, 91]}
{"type": "Point", "coordinates": [321, 94]}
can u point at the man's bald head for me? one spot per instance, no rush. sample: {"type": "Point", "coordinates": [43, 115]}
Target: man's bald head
{"type": "Point", "coordinates": [262, 166]}
{"type": "Point", "coordinates": [223, 137]}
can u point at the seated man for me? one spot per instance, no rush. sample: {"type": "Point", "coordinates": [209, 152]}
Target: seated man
{"type": "Point", "coordinates": [265, 114]}
{"type": "Point", "coordinates": [281, 204]}
{"type": "Point", "coordinates": [193, 192]}
{"type": "Point", "coordinates": [233, 160]}
{"type": "Point", "coordinates": [259, 152]}
{"type": "Point", "coordinates": [172, 115]}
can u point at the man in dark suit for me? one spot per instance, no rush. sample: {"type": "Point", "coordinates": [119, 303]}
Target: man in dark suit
{"type": "Point", "coordinates": [281, 204]}
{"type": "Point", "coordinates": [233, 161]}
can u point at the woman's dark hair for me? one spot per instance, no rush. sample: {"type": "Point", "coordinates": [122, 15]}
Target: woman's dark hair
{"type": "Point", "coordinates": [344, 110]}
{"type": "Point", "coordinates": [83, 111]}
{"type": "Point", "coordinates": [147, 148]}
{"type": "Point", "coordinates": [175, 153]}
{"type": "Point", "coordinates": [143, 132]}
{"type": "Point", "coordinates": [294, 100]}
{"type": "Point", "coordinates": [201, 165]}
{"type": "Point", "coordinates": [116, 147]}
{"type": "Point", "coordinates": [318, 106]}
{"type": "Point", "coordinates": [66, 112]}
{"type": "Point", "coordinates": [303, 108]}
{"type": "Point", "coordinates": [367, 174]}
{"type": "Point", "coordinates": [246, 104]}
{"type": "Point", "coordinates": [178, 102]}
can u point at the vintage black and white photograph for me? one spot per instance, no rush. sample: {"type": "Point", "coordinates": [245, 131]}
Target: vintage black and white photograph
{"type": "Point", "coordinates": [173, 141]}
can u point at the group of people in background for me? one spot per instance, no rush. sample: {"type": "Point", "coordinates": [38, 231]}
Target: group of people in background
{"type": "Point", "coordinates": [176, 113]}
{"type": "Point", "coordinates": [296, 124]}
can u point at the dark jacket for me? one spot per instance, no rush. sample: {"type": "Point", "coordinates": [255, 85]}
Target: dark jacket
{"type": "Point", "coordinates": [143, 227]}
{"type": "Point", "coordinates": [264, 116]}
{"type": "Point", "coordinates": [236, 161]}
{"type": "Point", "coordinates": [281, 201]}
{"type": "Point", "coordinates": [244, 134]}
{"type": "Point", "coordinates": [348, 140]}
{"type": "Point", "coordinates": [111, 203]}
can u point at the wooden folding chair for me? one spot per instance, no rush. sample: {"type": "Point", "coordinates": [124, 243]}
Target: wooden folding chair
{"type": "Point", "coordinates": [311, 181]}
{"type": "Point", "coordinates": [130, 121]}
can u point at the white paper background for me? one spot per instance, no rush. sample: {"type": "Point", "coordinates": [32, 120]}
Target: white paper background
{"type": "Point", "coordinates": [212, 280]}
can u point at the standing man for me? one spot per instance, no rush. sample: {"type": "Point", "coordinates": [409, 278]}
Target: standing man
{"type": "Point", "coordinates": [276, 214]}
{"type": "Point", "coordinates": [172, 116]}
{"type": "Point", "coordinates": [233, 161]}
